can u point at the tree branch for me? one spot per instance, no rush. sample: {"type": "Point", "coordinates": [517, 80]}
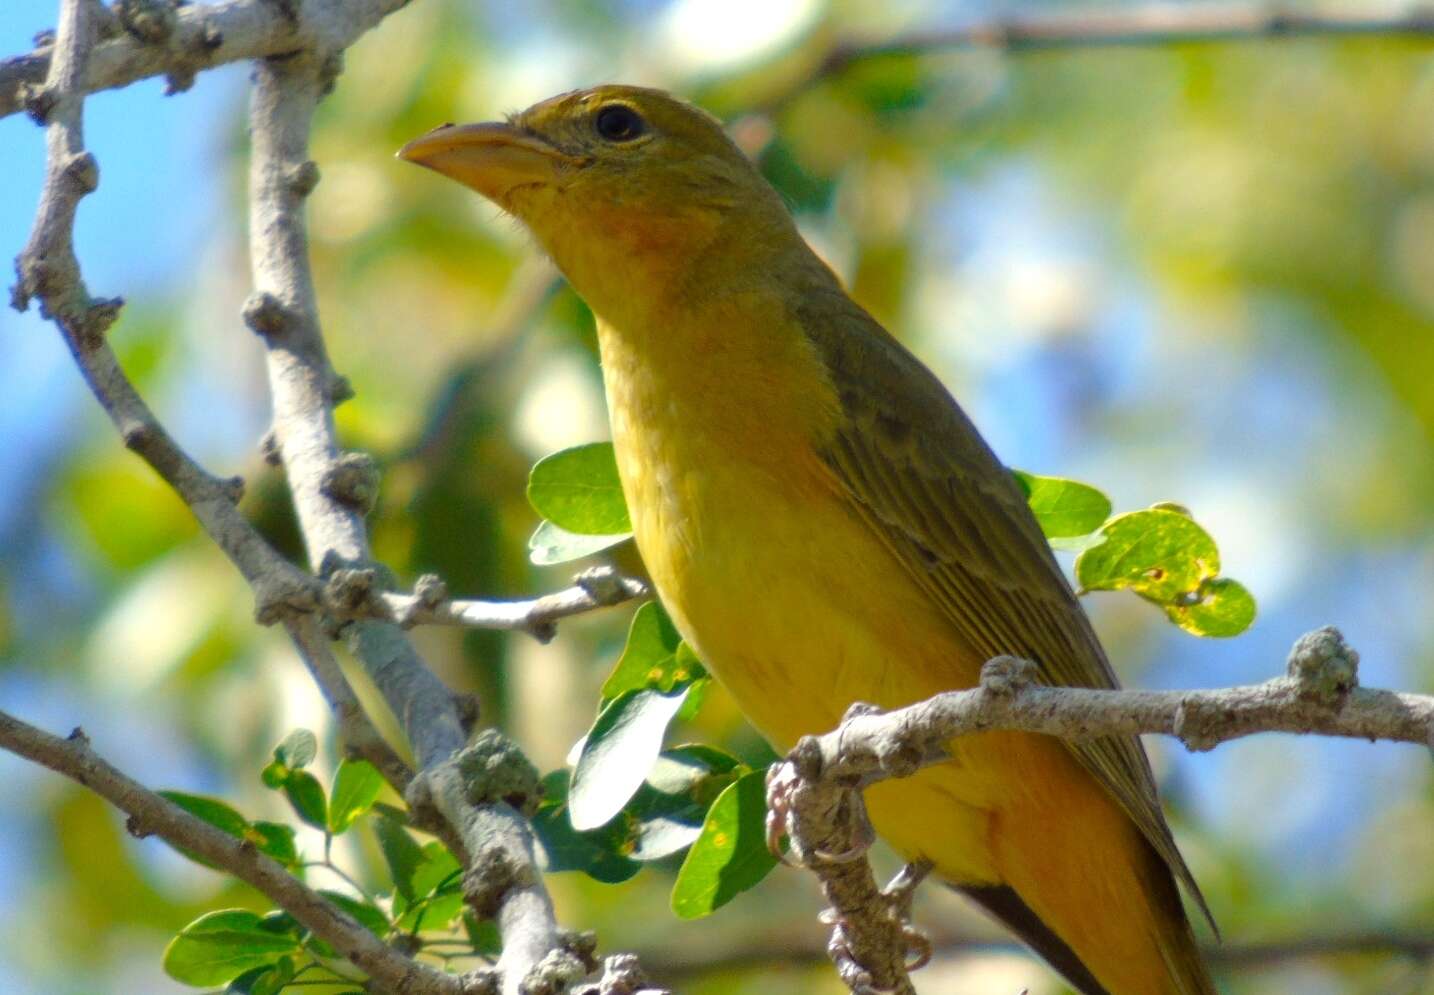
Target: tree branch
{"type": "Point", "coordinates": [178, 43]}
{"type": "Point", "coordinates": [150, 814]}
{"type": "Point", "coordinates": [330, 493]}
{"type": "Point", "coordinates": [352, 594]}
{"type": "Point", "coordinates": [1154, 24]}
{"type": "Point", "coordinates": [814, 795]}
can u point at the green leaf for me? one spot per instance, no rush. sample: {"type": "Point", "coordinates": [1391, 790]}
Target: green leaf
{"type": "Point", "coordinates": [439, 867]}
{"type": "Point", "coordinates": [618, 752]}
{"type": "Point", "coordinates": [297, 750]}
{"type": "Point", "coordinates": [598, 853]}
{"type": "Point", "coordinates": [401, 852]}
{"type": "Point", "coordinates": [263, 980]}
{"type": "Point", "coordinates": [437, 885]}
{"type": "Point", "coordinates": [1164, 556]}
{"type": "Point", "coordinates": [219, 814]}
{"type": "Point", "coordinates": [306, 794]}
{"type": "Point", "coordinates": [1064, 508]}
{"type": "Point", "coordinates": [1158, 553]}
{"type": "Point", "coordinates": [482, 935]}
{"type": "Point", "coordinates": [220, 946]}
{"type": "Point", "coordinates": [370, 917]}
{"type": "Point", "coordinates": [681, 768]}
{"type": "Point", "coordinates": [731, 853]}
{"type": "Point", "coordinates": [649, 658]}
{"type": "Point", "coordinates": [275, 839]}
{"type": "Point", "coordinates": [1225, 608]}
{"type": "Point", "coordinates": [578, 489]}
{"type": "Point", "coordinates": [551, 544]}
{"type": "Point", "coordinates": [356, 786]}
{"type": "Point", "coordinates": [274, 775]}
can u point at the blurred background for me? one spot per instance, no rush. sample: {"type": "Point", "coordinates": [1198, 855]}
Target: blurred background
{"type": "Point", "coordinates": [1201, 273]}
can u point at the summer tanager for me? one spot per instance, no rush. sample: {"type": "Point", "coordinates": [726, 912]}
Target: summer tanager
{"type": "Point", "coordinates": [826, 526]}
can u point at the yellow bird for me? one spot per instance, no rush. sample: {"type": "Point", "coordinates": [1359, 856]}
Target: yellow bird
{"type": "Point", "coordinates": [824, 523]}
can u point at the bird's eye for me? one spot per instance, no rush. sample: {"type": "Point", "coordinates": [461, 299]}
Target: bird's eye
{"type": "Point", "coordinates": [619, 123]}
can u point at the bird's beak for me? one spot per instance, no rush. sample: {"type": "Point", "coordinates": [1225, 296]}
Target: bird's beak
{"type": "Point", "coordinates": [491, 158]}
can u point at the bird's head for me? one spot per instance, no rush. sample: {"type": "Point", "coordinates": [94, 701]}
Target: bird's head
{"type": "Point", "coordinates": [625, 187]}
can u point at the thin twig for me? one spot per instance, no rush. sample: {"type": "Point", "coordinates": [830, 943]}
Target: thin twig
{"type": "Point", "coordinates": [150, 814]}
{"type": "Point", "coordinates": [600, 587]}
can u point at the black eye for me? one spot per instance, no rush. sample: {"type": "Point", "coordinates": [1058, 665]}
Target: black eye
{"type": "Point", "coordinates": [619, 123]}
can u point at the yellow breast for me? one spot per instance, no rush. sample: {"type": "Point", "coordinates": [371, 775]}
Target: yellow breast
{"type": "Point", "coordinates": [763, 568]}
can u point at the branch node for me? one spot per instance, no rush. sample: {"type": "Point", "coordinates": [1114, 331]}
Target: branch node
{"type": "Point", "coordinates": [488, 981]}
{"type": "Point", "coordinates": [269, 448]}
{"type": "Point", "coordinates": [350, 591]}
{"type": "Point", "coordinates": [1324, 667]}
{"type": "Point", "coordinates": [339, 389]}
{"type": "Point", "coordinates": [136, 827]}
{"type": "Point", "coordinates": [137, 435]}
{"type": "Point", "coordinates": [621, 975]}
{"type": "Point", "coordinates": [277, 597]}
{"type": "Point", "coordinates": [553, 974]}
{"type": "Point", "coordinates": [302, 177]}
{"type": "Point", "coordinates": [330, 72]}
{"type": "Point", "coordinates": [1197, 724]}
{"type": "Point", "coordinates": [233, 488]}
{"type": "Point", "coordinates": [148, 21]}
{"type": "Point", "coordinates": [495, 770]}
{"type": "Point", "coordinates": [1004, 676]}
{"type": "Point", "coordinates": [265, 314]}
{"type": "Point", "coordinates": [469, 708]}
{"type": "Point", "coordinates": [352, 480]}
{"type": "Point", "coordinates": [178, 80]}
{"type": "Point", "coordinates": [83, 171]}
{"type": "Point", "coordinates": [99, 316]}
{"type": "Point", "coordinates": [38, 100]}
{"type": "Point", "coordinates": [78, 735]}
{"type": "Point", "coordinates": [210, 39]}
{"type": "Point", "coordinates": [490, 875]}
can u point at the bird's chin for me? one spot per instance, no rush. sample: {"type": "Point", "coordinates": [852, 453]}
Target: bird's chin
{"type": "Point", "coordinates": [495, 159]}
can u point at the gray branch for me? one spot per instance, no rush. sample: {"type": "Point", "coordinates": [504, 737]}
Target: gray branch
{"type": "Point", "coordinates": [179, 42]}
{"type": "Point", "coordinates": [354, 594]}
{"type": "Point", "coordinates": [192, 38]}
{"type": "Point", "coordinates": [1152, 24]}
{"type": "Point", "coordinates": [814, 796]}
{"type": "Point", "coordinates": [494, 841]}
{"type": "Point", "coordinates": [150, 814]}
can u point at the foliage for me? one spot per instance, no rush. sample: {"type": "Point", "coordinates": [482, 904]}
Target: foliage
{"type": "Point", "coordinates": [1167, 270]}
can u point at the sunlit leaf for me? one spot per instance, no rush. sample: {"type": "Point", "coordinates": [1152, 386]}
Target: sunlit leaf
{"type": "Point", "coordinates": [1225, 608]}
{"type": "Point", "coordinates": [551, 544]}
{"type": "Point", "coordinates": [597, 852]}
{"type": "Point", "coordinates": [578, 489]}
{"type": "Point", "coordinates": [219, 946]}
{"type": "Point", "coordinates": [731, 853]}
{"type": "Point", "coordinates": [275, 839]}
{"type": "Point", "coordinates": [649, 657]}
{"type": "Point", "coordinates": [306, 795]}
{"type": "Point", "coordinates": [618, 752]}
{"type": "Point", "coordinates": [1157, 553]}
{"type": "Point", "coordinates": [356, 785]}
{"type": "Point", "coordinates": [1064, 508]}
{"type": "Point", "coordinates": [297, 750]}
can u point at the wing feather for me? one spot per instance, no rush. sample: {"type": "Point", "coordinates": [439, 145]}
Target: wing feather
{"type": "Point", "coordinates": [915, 468]}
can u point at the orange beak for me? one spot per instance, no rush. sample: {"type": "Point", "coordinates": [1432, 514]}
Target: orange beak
{"type": "Point", "coordinates": [492, 158]}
